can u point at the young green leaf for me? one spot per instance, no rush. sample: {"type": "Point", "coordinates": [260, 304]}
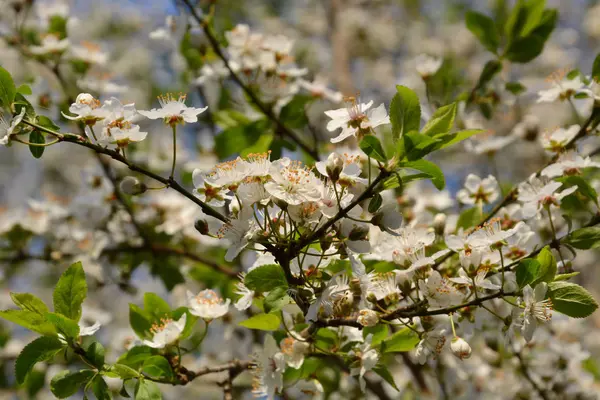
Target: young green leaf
{"type": "Point", "coordinates": [441, 121]}
{"type": "Point", "coordinates": [100, 388]}
{"type": "Point", "coordinates": [30, 320]}
{"type": "Point", "coordinates": [64, 325]}
{"type": "Point", "coordinates": [70, 291]}
{"type": "Point", "coordinates": [24, 90]}
{"type": "Point", "coordinates": [124, 372]}
{"type": "Point", "coordinates": [66, 383]}
{"type": "Point", "coordinates": [140, 321]}
{"type": "Point", "coordinates": [484, 28]}
{"type": "Point", "coordinates": [41, 349]}
{"type": "Point", "coordinates": [403, 340]}
{"type": "Point", "coordinates": [585, 238]}
{"type": "Point", "coordinates": [548, 266]}
{"type": "Point", "coordinates": [263, 322]}
{"type": "Point", "coordinates": [158, 367]}
{"type": "Point", "coordinates": [36, 137]}
{"type": "Point", "coordinates": [265, 278]}
{"type": "Point", "coordinates": [95, 353]}
{"type": "Point", "coordinates": [383, 372]}
{"type": "Point", "coordinates": [437, 176]}
{"type": "Point", "coordinates": [156, 306]}
{"type": "Point", "coordinates": [527, 272]}
{"type": "Point", "coordinates": [276, 299]}
{"type": "Point", "coordinates": [147, 390]}
{"type": "Point", "coordinates": [596, 69]}
{"type": "Point", "coordinates": [372, 147]}
{"type": "Point", "coordinates": [29, 302]}
{"type": "Point", "coordinates": [405, 112]}
{"type": "Point", "coordinates": [7, 89]}
{"type": "Point", "coordinates": [571, 299]}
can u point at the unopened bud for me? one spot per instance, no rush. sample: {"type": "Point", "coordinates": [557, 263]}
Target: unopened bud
{"type": "Point", "coordinates": [460, 348]}
{"type": "Point", "coordinates": [334, 166]}
{"type": "Point", "coordinates": [202, 226]}
{"type": "Point", "coordinates": [359, 233]}
{"type": "Point", "coordinates": [132, 186]}
{"type": "Point", "coordinates": [367, 318]}
{"type": "Point", "coordinates": [439, 224]}
{"type": "Point", "coordinates": [326, 241]}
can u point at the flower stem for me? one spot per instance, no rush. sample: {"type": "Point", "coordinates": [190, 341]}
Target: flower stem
{"type": "Point", "coordinates": [174, 126]}
{"type": "Point", "coordinates": [554, 241]}
{"type": "Point", "coordinates": [36, 144]}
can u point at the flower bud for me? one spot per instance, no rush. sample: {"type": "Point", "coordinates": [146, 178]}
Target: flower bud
{"type": "Point", "coordinates": [202, 226]}
{"type": "Point", "coordinates": [132, 186]}
{"type": "Point", "coordinates": [460, 348]}
{"type": "Point", "coordinates": [439, 223]}
{"type": "Point", "coordinates": [367, 318]}
{"type": "Point", "coordinates": [334, 166]}
{"type": "Point", "coordinates": [358, 233]}
{"type": "Point", "coordinates": [326, 241]}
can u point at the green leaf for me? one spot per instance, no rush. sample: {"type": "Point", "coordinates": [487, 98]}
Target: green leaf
{"type": "Point", "coordinates": [469, 218]}
{"type": "Point", "coordinates": [263, 322]}
{"type": "Point", "coordinates": [535, 11]}
{"type": "Point", "coordinates": [527, 272]}
{"type": "Point", "coordinates": [276, 299]}
{"type": "Point", "coordinates": [490, 69]}
{"type": "Point", "coordinates": [547, 266]}
{"type": "Point", "coordinates": [158, 367]}
{"type": "Point", "coordinates": [454, 138]}
{"type": "Point", "coordinates": [525, 49]}
{"type": "Point", "coordinates": [375, 203]}
{"type": "Point", "coordinates": [156, 306]}
{"type": "Point", "coordinates": [29, 302]}
{"type": "Point", "coordinates": [135, 357]}
{"type": "Point", "coordinates": [293, 114]}
{"type": "Point", "coordinates": [41, 349]}
{"type": "Point", "coordinates": [124, 372]}
{"type": "Point", "coordinates": [564, 277]}
{"type": "Point", "coordinates": [66, 384]}
{"type": "Point", "coordinates": [596, 69]}
{"type": "Point", "coordinates": [403, 340]}
{"type": "Point", "coordinates": [585, 238]}
{"type": "Point", "coordinates": [64, 325]}
{"type": "Point", "coordinates": [437, 176]}
{"type": "Point", "coordinates": [583, 187]}
{"type": "Point", "coordinates": [36, 137]}
{"type": "Point", "coordinates": [147, 390]}
{"type": "Point", "coordinates": [47, 123]}
{"type": "Point", "coordinates": [265, 278]}
{"type": "Point", "coordinates": [379, 332]}
{"type": "Point", "coordinates": [484, 29]}
{"type": "Point", "coordinates": [24, 90]}
{"type": "Point", "coordinates": [140, 321]}
{"type": "Point", "coordinates": [515, 88]}
{"type": "Point", "coordinates": [237, 138]}
{"type": "Point", "coordinates": [405, 112]}
{"type": "Point", "coordinates": [383, 372]}
{"type": "Point", "coordinates": [30, 320]}
{"type": "Point", "coordinates": [70, 291]}
{"type": "Point", "coordinates": [571, 299]}
{"type": "Point", "coordinates": [95, 353]}
{"type": "Point", "coordinates": [7, 89]}
{"type": "Point", "coordinates": [372, 147]}
{"type": "Point", "coordinates": [100, 388]}
{"type": "Point", "coordinates": [441, 121]}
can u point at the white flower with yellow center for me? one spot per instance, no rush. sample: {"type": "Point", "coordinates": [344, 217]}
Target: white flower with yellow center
{"type": "Point", "coordinates": [86, 109]}
{"type": "Point", "coordinates": [293, 182]}
{"type": "Point", "coordinates": [166, 332]}
{"type": "Point", "coordinates": [174, 111]}
{"type": "Point", "coordinates": [51, 44]}
{"type": "Point", "coordinates": [355, 119]}
{"type": "Point", "coordinates": [207, 304]}
{"type": "Point", "coordinates": [536, 309]}
{"type": "Point", "coordinates": [478, 190]}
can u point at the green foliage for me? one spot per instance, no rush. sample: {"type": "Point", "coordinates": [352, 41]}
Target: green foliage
{"type": "Point", "coordinates": [70, 291]}
{"type": "Point", "coordinates": [585, 238]}
{"type": "Point", "coordinates": [293, 114]}
{"type": "Point", "coordinates": [484, 29]}
{"type": "Point", "coordinates": [41, 349]}
{"type": "Point", "coordinates": [405, 112]}
{"type": "Point", "coordinates": [276, 299]}
{"type": "Point", "coordinates": [533, 271]}
{"type": "Point", "coordinates": [7, 89]}
{"type": "Point", "coordinates": [469, 218]}
{"type": "Point", "coordinates": [263, 322]}
{"type": "Point", "coordinates": [147, 390]}
{"type": "Point", "coordinates": [375, 203]}
{"type": "Point", "coordinates": [38, 138]}
{"type": "Point", "coordinates": [158, 367]}
{"type": "Point", "coordinates": [372, 147]}
{"type": "Point", "coordinates": [65, 326]}
{"type": "Point", "coordinates": [123, 371]}
{"type": "Point", "coordinates": [596, 69]}
{"type": "Point", "coordinates": [571, 299]}
{"type": "Point", "coordinates": [515, 88]}
{"type": "Point", "coordinates": [436, 174]}
{"type": "Point", "coordinates": [65, 384]}
{"type": "Point", "coordinates": [95, 353]}
{"type": "Point", "coordinates": [403, 340]}
{"type": "Point", "coordinates": [441, 121]}
{"type": "Point", "coordinates": [237, 138]}
{"type": "Point", "coordinates": [265, 278]}
{"type": "Point", "coordinates": [100, 388]}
